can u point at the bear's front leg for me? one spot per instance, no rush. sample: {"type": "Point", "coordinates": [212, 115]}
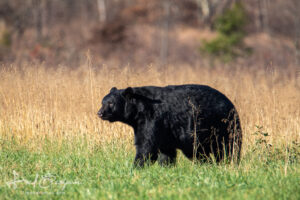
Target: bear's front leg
{"type": "Point", "coordinates": [146, 147]}
{"type": "Point", "coordinates": [145, 155]}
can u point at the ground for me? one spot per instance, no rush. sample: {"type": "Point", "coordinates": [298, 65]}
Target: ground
{"type": "Point", "coordinates": [69, 171]}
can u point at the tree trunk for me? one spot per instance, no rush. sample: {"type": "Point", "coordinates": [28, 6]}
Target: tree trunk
{"type": "Point", "coordinates": [297, 46]}
{"type": "Point", "coordinates": [263, 15]}
{"type": "Point", "coordinates": [164, 49]}
{"type": "Point", "coordinates": [102, 10]}
{"type": "Point", "coordinates": [205, 9]}
{"type": "Point", "coordinates": [38, 19]}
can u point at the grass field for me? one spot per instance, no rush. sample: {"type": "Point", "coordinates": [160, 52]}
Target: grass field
{"type": "Point", "coordinates": [52, 145]}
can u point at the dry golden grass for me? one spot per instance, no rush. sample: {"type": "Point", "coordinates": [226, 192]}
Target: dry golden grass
{"type": "Point", "coordinates": [61, 104]}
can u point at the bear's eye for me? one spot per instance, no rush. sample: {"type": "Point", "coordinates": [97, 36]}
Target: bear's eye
{"type": "Point", "coordinates": [110, 104]}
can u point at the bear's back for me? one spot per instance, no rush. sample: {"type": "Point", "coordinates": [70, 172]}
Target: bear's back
{"type": "Point", "coordinates": [182, 100]}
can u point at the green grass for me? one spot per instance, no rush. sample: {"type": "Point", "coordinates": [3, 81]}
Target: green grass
{"type": "Point", "coordinates": [79, 170]}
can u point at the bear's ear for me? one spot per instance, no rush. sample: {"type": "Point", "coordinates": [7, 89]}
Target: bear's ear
{"type": "Point", "coordinates": [113, 89]}
{"type": "Point", "coordinates": [127, 93]}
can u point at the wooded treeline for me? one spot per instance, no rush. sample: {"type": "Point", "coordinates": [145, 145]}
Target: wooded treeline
{"type": "Point", "coordinates": [55, 26]}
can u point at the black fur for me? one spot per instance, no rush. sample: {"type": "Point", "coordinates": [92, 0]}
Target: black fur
{"type": "Point", "coordinates": [167, 118]}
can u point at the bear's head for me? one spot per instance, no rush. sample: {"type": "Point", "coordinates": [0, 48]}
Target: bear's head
{"type": "Point", "coordinates": [118, 105]}
{"type": "Point", "coordinates": [126, 105]}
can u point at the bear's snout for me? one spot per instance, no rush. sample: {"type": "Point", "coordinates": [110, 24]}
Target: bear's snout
{"type": "Point", "coordinates": [100, 113]}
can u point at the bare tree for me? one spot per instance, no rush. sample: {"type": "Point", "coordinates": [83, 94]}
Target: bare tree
{"type": "Point", "coordinates": [102, 10]}
{"type": "Point", "coordinates": [37, 5]}
{"type": "Point", "coordinates": [297, 35]}
{"type": "Point", "coordinates": [262, 21]}
{"type": "Point", "coordinates": [165, 33]}
{"type": "Point", "coordinates": [211, 8]}
{"type": "Point", "coordinates": [205, 8]}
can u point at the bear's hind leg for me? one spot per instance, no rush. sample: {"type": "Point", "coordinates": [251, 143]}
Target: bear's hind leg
{"type": "Point", "coordinates": [167, 158]}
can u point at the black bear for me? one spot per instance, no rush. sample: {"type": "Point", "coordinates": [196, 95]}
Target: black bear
{"type": "Point", "coordinates": [197, 119]}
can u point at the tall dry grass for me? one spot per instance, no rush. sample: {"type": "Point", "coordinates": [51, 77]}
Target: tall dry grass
{"type": "Point", "coordinates": [38, 103]}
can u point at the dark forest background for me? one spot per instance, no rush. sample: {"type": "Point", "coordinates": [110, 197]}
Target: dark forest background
{"type": "Point", "coordinates": [141, 32]}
